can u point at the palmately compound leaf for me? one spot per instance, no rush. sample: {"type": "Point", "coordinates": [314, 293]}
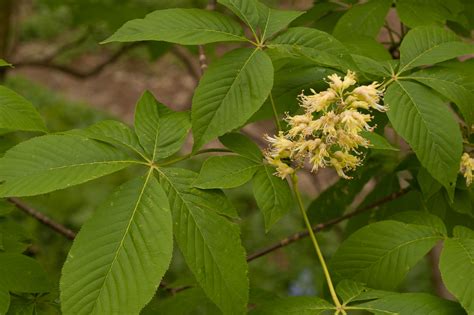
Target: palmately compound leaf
{"type": "Point", "coordinates": [16, 113]}
{"type": "Point", "coordinates": [271, 21]}
{"type": "Point", "coordinates": [23, 274]}
{"type": "Point", "coordinates": [457, 266]}
{"type": "Point", "coordinates": [273, 195]}
{"type": "Point", "coordinates": [426, 45]}
{"type": "Point", "coordinates": [113, 132]}
{"type": "Point", "coordinates": [411, 304]}
{"type": "Point", "coordinates": [430, 128]}
{"type": "Point", "coordinates": [317, 46]}
{"type": "Point", "coordinates": [382, 253]}
{"type": "Point", "coordinates": [210, 243]}
{"type": "Point", "coordinates": [120, 255]}
{"type": "Point", "coordinates": [434, 11]}
{"type": "Point", "coordinates": [450, 84]}
{"type": "Point", "coordinates": [363, 19]}
{"type": "Point", "coordinates": [242, 145]}
{"type": "Point", "coordinates": [246, 10]}
{"type": "Point", "coordinates": [226, 171]}
{"type": "Point", "coordinates": [180, 26]}
{"type": "Point", "coordinates": [229, 93]}
{"type": "Point", "coordinates": [295, 305]}
{"type": "Point", "coordinates": [352, 291]}
{"type": "Point", "coordinates": [44, 164]}
{"type": "Point", "coordinates": [161, 131]}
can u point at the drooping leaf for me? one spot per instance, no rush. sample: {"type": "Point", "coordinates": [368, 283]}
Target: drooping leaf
{"type": "Point", "coordinates": [16, 113]}
{"type": "Point", "coordinates": [296, 305]}
{"type": "Point", "coordinates": [352, 291]}
{"type": "Point", "coordinates": [226, 171]}
{"type": "Point", "coordinates": [429, 186]}
{"type": "Point", "coordinates": [273, 195]}
{"type": "Point", "coordinates": [229, 93]}
{"type": "Point", "coordinates": [120, 255]}
{"type": "Point", "coordinates": [365, 46]}
{"type": "Point", "coordinates": [429, 45]}
{"type": "Point", "coordinates": [450, 84]}
{"type": "Point", "coordinates": [272, 21]}
{"type": "Point", "coordinates": [20, 273]}
{"type": "Point", "coordinates": [382, 253]}
{"type": "Point", "coordinates": [412, 303]}
{"type": "Point", "coordinates": [363, 19]}
{"type": "Point", "coordinates": [242, 145]}
{"type": "Point", "coordinates": [180, 26]}
{"type": "Point", "coordinates": [160, 131]}
{"type": "Point", "coordinates": [426, 123]}
{"type": "Point", "coordinates": [113, 132]}
{"type": "Point", "coordinates": [315, 45]}
{"type": "Point", "coordinates": [44, 164]}
{"type": "Point", "coordinates": [457, 266]}
{"type": "Point", "coordinates": [371, 66]}
{"type": "Point", "coordinates": [209, 242]}
{"type": "Point", "coordinates": [421, 218]}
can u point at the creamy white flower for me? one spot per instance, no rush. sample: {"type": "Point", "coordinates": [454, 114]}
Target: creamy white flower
{"type": "Point", "coordinates": [467, 168]}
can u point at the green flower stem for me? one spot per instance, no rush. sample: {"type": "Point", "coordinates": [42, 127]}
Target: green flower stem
{"type": "Point", "coordinates": [335, 299]}
{"type": "Point", "coordinates": [189, 155]}
{"type": "Point", "coordinates": [275, 113]}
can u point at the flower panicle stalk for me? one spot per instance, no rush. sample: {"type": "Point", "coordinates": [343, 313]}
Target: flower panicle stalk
{"type": "Point", "coordinates": [328, 133]}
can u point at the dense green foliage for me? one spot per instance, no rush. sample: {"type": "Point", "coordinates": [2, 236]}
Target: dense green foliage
{"type": "Point", "coordinates": [119, 260]}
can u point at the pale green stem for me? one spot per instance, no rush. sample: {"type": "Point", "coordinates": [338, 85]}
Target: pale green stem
{"type": "Point", "coordinates": [332, 291]}
{"type": "Point", "coordinates": [275, 113]}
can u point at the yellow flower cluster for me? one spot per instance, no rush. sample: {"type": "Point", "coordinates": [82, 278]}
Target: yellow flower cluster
{"type": "Point", "coordinates": [467, 168]}
{"type": "Point", "coordinates": [328, 133]}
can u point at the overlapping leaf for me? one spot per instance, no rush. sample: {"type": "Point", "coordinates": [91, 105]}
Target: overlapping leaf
{"type": "Point", "coordinates": [381, 254]}
{"type": "Point", "coordinates": [16, 113]}
{"type": "Point", "coordinates": [242, 145]}
{"type": "Point", "coordinates": [457, 266]}
{"type": "Point", "coordinates": [273, 195]}
{"type": "Point", "coordinates": [272, 21]}
{"type": "Point", "coordinates": [19, 273]}
{"type": "Point", "coordinates": [426, 123]}
{"type": "Point", "coordinates": [429, 45]}
{"type": "Point", "coordinates": [180, 26]}
{"type": "Point", "coordinates": [297, 305]}
{"type": "Point", "coordinates": [229, 93]}
{"type": "Point", "coordinates": [160, 131]}
{"type": "Point", "coordinates": [209, 242]}
{"type": "Point", "coordinates": [44, 164]}
{"type": "Point", "coordinates": [120, 255]}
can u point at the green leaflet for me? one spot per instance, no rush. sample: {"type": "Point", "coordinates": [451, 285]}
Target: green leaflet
{"type": "Point", "coordinates": [120, 255]}
{"type": "Point", "coordinates": [378, 142]}
{"type": "Point", "coordinates": [19, 273]}
{"type": "Point", "coordinates": [363, 19]}
{"type": "Point", "coordinates": [242, 145]}
{"type": "Point", "coordinates": [44, 164]}
{"type": "Point", "coordinates": [16, 113]}
{"type": "Point", "coordinates": [381, 253]}
{"type": "Point", "coordinates": [229, 93]}
{"type": "Point", "coordinates": [246, 10]}
{"type": "Point", "coordinates": [180, 26]}
{"type": "Point", "coordinates": [457, 266]}
{"type": "Point", "coordinates": [433, 11]}
{"type": "Point", "coordinates": [273, 195]}
{"type": "Point", "coordinates": [4, 299]}
{"type": "Point", "coordinates": [428, 185]}
{"type": "Point", "coordinates": [226, 171]}
{"type": "Point", "coordinates": [113, 132]}
{"type": "Point", "coordinates": [296, 305]}
{"type": "Point", "coordinates": [351, 291]}
{"type": "Point", "coordinates": [410, 304]}
{"type": "Point", "coordinates": [450, 84]}
{"type": "Point", "coordinates": [209, 242]}
{"type": "Point", "coordinates": [271, 21]}
{"type": "Point", "coordinates": [15, 239]}
{"type": "Point", "coordinates": [160, 131]}
{"type": "Point", "coordinates": [426, 123]}
{"type": "Point", "coordinates": [3, 63]}
{"type": "Point", "coordinates": [421, 218]}
{"type": "Point", "coordinates": [429, 45]}
{"type": "Point", "coordinates": [317, 46]}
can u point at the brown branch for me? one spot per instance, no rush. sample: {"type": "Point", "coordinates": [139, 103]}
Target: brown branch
{"type": "Point", "coordinates": [57, 227]}
{"type": "Point", "coordinates": [185, 58]}
{"type": "Point", "coordinates": [211, 6]}
{"type": "Point", "coordinates": [78, 73]}
{"type": "Point", "coordinates": [319, 227]}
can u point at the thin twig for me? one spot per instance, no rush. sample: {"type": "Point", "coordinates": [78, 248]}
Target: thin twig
{"type": "Point", "coordinates": [78, 73]}
{"type": "Point", "coordinates": [211, 6]}
{"type": "Point", "coordinates": [319, 227]}
{"type": "Point", "coordinates": [185, 58]}
{"type": "Point", "coordinates": [57, 227]}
